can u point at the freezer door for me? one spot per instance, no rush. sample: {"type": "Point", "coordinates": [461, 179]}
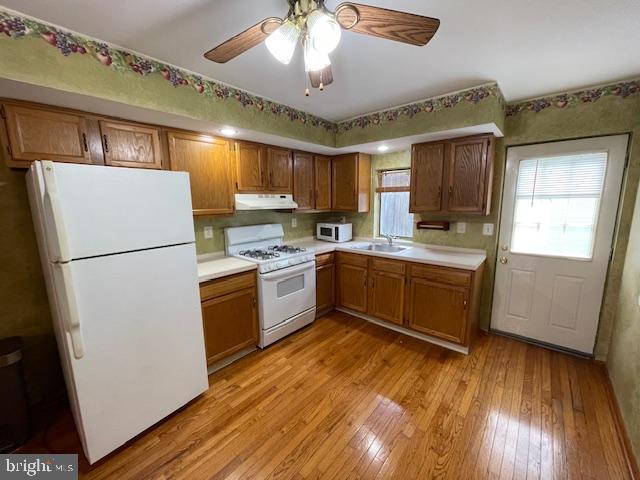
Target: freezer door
{"type": "Point", "coordinates": [141, 356]}
{"type": "Point", "coordinates": [91, 210]}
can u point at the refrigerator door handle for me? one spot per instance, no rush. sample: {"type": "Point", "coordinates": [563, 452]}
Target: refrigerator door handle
{"type": "Point", "coordinates": [53, 205]}
{"type": "Point", "coordinates": [73, 317]}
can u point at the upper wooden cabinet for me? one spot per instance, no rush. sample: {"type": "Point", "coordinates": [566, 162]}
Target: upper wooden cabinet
{"type": "Point", "coordinates": [452, 176]}
{"type": "Point", "coordinates": [280, 168]}
{"type": "Point", "coordinates": [130, 145]}
{"type": "Point", "coordinates": [427, 169]}
{"type": "Point", "coordinates": [260, 168]}
{"type": "Point", "coordinates": [210, 165]}
{"type": "Point", "coordinates": [323, 182]}
{"type": "Point", "coordinates": [469, 171]}
{"type": "Point", "coordinates": [250, 167]}
{"type": "Point", "coordinates": [38, 134]}
{"type": "Point", "coordinates": [303, 181]}
{"type": "Point", "coordinates": [351, 182]}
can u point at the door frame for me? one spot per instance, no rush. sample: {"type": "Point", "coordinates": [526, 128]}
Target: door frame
{"type": "Point", "coordinates": [612, 246]}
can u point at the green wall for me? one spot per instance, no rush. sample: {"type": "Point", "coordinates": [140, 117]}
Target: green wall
{"type": "Point", "coordinates": [623, 361]}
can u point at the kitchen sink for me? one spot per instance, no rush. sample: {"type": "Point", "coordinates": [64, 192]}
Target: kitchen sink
{"type": "Point", "coordinates": [377, 247]}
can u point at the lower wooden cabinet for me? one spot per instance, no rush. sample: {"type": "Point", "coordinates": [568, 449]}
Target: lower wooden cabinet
{"type": "Point", "coordinates": [387, 281]}
{"type": "Point", "coordinates": [325, 283]}
{"type": "Point", "coordinates": [352, 278]}
{"type": "Point", "coordinates": [438, 301]}
{"type": "Point", "coordinates": [229, 315]}
{"type": "Point", "coordinates": [438, 309]}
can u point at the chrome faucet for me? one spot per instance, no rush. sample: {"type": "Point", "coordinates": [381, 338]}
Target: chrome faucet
{"type": "Point", "coordinates": [390, 238]}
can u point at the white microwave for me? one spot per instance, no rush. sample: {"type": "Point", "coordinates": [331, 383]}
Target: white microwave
{"type": "Point", "coordinates": [334, 232]}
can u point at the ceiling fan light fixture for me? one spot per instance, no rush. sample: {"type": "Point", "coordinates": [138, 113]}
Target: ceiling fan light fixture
{"type": "Point", "coordinates": [313, 59]}
{"type": "Point", "coordinates": [324, 31]}
{"type": "Point", "coordinates": [282, 42]}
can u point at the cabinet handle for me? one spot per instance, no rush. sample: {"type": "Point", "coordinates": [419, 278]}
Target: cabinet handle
{"type": "Point", "coordinates": [465, 304]}
{"type": "Point", "coordinates": [84, 142]}
{"type": "Point", "coordinates": [254, 301]}
{"type": "Point", "coordinates": [106, 143]}
{"type": "Point", "coordinates": [270, 179]}
{"type": "Point", "coordinates": [450, 190]}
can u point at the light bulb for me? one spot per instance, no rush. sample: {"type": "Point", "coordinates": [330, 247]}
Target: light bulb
{"type": "Point", "coordinates": [282, 42]}
{"type": "Point", "coordinates": [324, 31]}
{"type": "Point", "coordinates": [313, 59]}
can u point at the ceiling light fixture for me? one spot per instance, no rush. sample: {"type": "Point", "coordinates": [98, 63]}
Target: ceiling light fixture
{"type": "Point", "coordinates": [324, 31]}
{"type": "Point", "coordinates": [313, 59]}
{"type": "Point", "coordinates": [228, 131]}
{"type": "Point", "coordinates": [282, 42]}
{"type": "Point", "coordinates": [383, 148]}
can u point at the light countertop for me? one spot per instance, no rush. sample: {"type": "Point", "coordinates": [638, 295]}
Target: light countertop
{"type": "Point", "coordinates": [464, 258]}
{"type": "Point", "coordinates": [217, 265]}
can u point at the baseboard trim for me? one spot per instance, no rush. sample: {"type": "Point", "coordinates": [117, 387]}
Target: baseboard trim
{"type": "Point", "coordinates": [621, 429]}
{"type": "Point", "coordinates": [406, 331]}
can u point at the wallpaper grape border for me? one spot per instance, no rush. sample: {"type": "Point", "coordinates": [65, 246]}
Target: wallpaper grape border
{"type": "Point", "coordinates": [473, 95]}
{"type": "Point", "coordinates": [562, 100]}
{"type": "Point", "coordinates": [17, 26]}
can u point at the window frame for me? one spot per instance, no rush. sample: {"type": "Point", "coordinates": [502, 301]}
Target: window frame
{"type": "Point", "coordinates": [379, 190]}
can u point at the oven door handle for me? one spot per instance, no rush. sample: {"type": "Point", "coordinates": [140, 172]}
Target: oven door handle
{"type": "Point", "coordinates": [289, 271]}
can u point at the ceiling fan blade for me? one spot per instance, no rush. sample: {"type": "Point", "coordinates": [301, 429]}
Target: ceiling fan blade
{"type": "Point", "coordinates": [324, 76]}
{"type": "Point", "coordinates": [242, 42]}
{"type": "Point", "coordinates": [389, 24]}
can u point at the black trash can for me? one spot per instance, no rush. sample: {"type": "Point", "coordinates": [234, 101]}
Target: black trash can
{"type": "Point", "coordinates": [14, 409]}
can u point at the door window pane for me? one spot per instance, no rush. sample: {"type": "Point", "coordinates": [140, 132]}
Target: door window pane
{"type": "Point", "coordinates": [557, 203]}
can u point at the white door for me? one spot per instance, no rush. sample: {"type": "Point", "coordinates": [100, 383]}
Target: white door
{"type": "Point", "coordinates": [91, 210]}
{"type": "Point", "coordinates": [559, 214]}
{"type": "Point", "coordinates": [132, 341]}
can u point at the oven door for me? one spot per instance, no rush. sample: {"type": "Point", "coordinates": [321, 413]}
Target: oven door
{"type": "Point", "coordinates": [286, 293]}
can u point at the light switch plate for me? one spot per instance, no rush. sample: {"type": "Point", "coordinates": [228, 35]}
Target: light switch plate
{"type": "Point", "coordinates": [461, 227]}
{"type": "Point", "coordinates": [294, 223]}
{"type": "Point", "coordinates": [487, 229]}
{"type": "Point", "coordinates": [208, 232]}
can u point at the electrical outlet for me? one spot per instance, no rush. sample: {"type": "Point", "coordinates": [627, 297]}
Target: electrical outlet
{"type": "Point", "coordinates": [294, 223]}
{"type": "Point", "coordinates": [461, 227]}
{"type": "Point", "coordinates": [208, 232]}
{"type": "Point", "coordinates": [487, 229]}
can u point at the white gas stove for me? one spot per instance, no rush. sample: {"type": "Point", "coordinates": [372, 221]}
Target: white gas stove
{"type": "Point", "coordinates": [286, 278]}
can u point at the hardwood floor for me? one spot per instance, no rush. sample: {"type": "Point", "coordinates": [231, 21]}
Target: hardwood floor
{"type": "Point", "coordinates": [348, 399]}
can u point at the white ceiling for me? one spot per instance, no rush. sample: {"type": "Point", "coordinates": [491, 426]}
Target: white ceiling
{"type": "Point", "coordinates": [531, 47]}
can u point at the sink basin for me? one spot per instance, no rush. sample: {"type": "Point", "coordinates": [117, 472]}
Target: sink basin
{"type": "Point", "coordinates": [381, 247]}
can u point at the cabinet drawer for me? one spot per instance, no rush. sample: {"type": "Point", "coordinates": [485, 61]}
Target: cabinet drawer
{"type": "Point", "coordinates": [442, 275]}
{"type": "Point", "coordinates": [352, 259]}
{"type": "Point", "coordinates": [324, 259]}
{"type": "Point", "coordinates": [223, 286]}
{"type": "Point", "coordinates": [388, 266]}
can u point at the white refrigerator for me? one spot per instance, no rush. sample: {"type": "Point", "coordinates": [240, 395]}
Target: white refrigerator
{"type": "Point", "coordinates": [118, 253]}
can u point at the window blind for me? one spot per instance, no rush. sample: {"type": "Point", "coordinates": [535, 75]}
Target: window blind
{"type": "Point", "coordinates": [566, 176]}
{"type": "Point", "coordinates": [393, 181]}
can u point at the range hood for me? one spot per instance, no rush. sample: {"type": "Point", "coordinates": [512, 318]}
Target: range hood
{"type": "Point", "coordinates": [265, 201]}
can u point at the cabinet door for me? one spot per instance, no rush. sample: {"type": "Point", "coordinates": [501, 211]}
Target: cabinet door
{"type": "Point", "coordinates": [438, 309]}
{"type": "Point", "coordinates": [129, 145]}
{"type": "Point", "coordinates": [344, 184]}
{"type": "Point", "coordinates": [280, 170]}
{"type": "Point", "coordinates": [303, 184]}
{"type": "Point", "coordinates": [323, 182]}
{"type": "Point", "coordinates": [208, 161]}
{"type": "Point", "coordinates": [36, 134]}
{"type": "Point", "coordinates": [427, 168]}
{"type": "Point", "coordinates": [352, 287]}
{"type": "Point", "coordinates": [250, 167]}
{"type": "Point", "coordinates": [325, 288]}
{"type": "Point", "coordinates": [467, 175]}
{"type": "Point", "coordinates": [386, 296]}
{"type": "Point", "coordinates": [230, 324]}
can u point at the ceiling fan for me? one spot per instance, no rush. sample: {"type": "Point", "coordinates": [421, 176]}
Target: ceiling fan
{"type": "Point", "coordinates": [318, 29]}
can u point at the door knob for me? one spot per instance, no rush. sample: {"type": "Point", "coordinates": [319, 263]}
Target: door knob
{"type": "Point", "coordinates": [504, 248]}
{"type": "Point", "coordinates": [503, 260]}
